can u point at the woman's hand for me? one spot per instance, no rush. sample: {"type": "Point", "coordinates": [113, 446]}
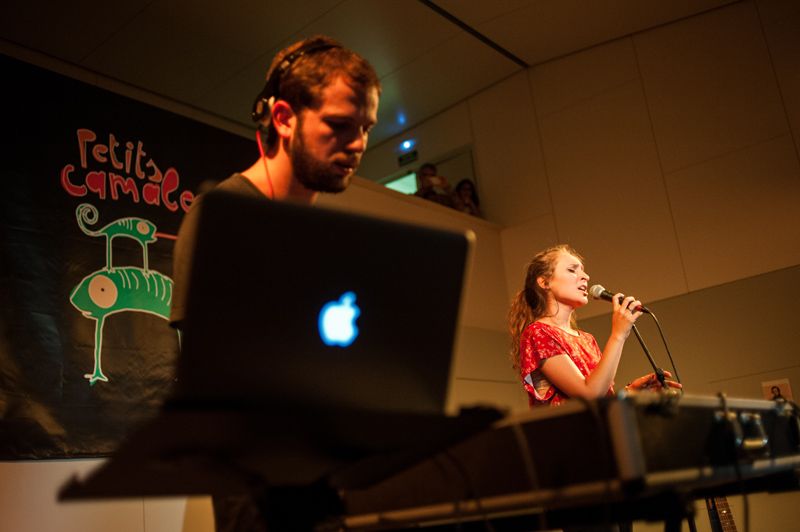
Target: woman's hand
{"type": "Point", "coordinates": [624, 315]}
{"type": "Point", "coordinates": [650, 382]}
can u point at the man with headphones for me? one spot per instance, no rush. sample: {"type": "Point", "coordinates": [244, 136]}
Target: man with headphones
{"type": "Point", "coordinates": [315, 111]}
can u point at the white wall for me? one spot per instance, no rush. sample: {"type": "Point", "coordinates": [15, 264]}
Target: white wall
{"type": "Point", "coordinates": [28, 504]}
{"type": "Point", "coordinates": [668, 158]}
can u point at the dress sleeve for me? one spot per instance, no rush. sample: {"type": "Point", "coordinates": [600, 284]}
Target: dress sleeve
{"type": "Point", "coordinates": [536, 345]}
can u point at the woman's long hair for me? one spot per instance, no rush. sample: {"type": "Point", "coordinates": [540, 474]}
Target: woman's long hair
{"type": "Point", "coordinates": [530, 303]}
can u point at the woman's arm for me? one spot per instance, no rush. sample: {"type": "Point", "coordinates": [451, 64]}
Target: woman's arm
{"type": "Point", "coordinates": [565, 375]}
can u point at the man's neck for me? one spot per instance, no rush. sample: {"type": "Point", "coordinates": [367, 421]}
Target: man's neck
{"type": "Point", "coordinates": [274, 177]}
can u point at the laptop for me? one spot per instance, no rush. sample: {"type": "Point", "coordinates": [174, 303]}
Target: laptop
{"type": "Point", "coordinates": [307, 307]}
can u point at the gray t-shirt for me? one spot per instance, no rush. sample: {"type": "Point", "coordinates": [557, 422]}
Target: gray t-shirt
{"type": "Point", "coordinates": [181, 255]}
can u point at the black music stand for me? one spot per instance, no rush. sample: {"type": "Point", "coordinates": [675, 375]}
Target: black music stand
{"type": "Point", "coordinates": [291, 461]}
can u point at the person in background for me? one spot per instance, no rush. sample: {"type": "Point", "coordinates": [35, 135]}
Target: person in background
{"type": "Point", "coordinates": [433, 187]}
{"type": "Point", "coordinates": [556, 360]}
{"type": "Point", "coordinates": [465, 198]}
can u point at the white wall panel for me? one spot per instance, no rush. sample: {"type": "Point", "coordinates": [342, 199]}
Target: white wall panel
{"type": "Point", "coordinates": [570, 80]}
{"type": "Point", "coordinates": [484, 355]}
{"type": "Point", "coordinates": [198, 515]}
{"type": "Point", "coordinates": [710, 85]}
{"type": "Point", "coordinates": [28, 501]}
{"type": "Point", "coordinates": [608, 193]}
{"type": "Point", "coordinates": [504, 395]}
{"type": "Point", "coordinates": [737, 215]}
{"type": "Point", "coordinates": [508, 153]}
{"type": "Point", "coordinates": [727, 338]}
{"type": "Point", "coordinates": [781, 22]}
{"type": "Point", "coordinates": [520, 243]}
{"type": "Point", "coordinates": [165, 514]}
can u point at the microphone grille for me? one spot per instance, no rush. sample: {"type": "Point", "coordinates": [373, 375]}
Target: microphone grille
{"type": "Point", "coordinates": [596, 291]}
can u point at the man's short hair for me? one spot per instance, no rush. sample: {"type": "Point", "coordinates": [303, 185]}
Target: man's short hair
{"type": "Point", "coordinates": [301, 85]}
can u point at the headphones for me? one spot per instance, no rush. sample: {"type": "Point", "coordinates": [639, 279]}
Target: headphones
{"type": "Point", "coordinates": [262, 106]}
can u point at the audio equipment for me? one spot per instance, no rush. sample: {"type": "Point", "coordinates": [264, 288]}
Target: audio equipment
{"type": "Point", "coordinates": [634, 456]}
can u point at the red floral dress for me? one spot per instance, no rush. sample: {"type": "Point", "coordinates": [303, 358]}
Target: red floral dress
{"type": "Point", "coordinates": [540, 341]}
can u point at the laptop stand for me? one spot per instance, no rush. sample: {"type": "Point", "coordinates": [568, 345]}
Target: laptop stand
{"type": "Point", "coordinates": [292, 462]}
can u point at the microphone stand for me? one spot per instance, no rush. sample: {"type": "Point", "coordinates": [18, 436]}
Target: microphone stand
{"type": "Point", "coordinates": [661, 378]}
{"type": "Point", "coordinates": [658, 371]}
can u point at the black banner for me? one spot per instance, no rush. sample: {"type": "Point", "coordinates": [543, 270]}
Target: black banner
{"type": "Point", "coordinates": [94, 189]}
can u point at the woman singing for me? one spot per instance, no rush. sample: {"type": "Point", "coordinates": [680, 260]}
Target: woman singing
{"type": "Point", "coordinates": [556, 360]}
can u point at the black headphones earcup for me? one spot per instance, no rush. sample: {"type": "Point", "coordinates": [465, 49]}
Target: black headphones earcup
{"type": "Point", "coordinates": [262, 110]}
{"type": "Point", "coordinates": [262, 106]}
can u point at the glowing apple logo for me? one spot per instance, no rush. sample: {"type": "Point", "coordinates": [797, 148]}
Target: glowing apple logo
{"type": "Point", "coordinates": [337, 321]}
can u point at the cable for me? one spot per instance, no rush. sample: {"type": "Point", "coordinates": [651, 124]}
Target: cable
{"type": "Point", "coordinates": [530, 469]}
{"type": "Point", "coordinates": [456, 496]}
{"type": "Point", "coordinates": [264, 158]}
{"type": "Point", "coordinates": [664, 340]}
{"type": "Point", "coordinates": [471, 490]}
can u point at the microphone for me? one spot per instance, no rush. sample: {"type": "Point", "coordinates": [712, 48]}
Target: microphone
{"type": "Point", "coordinates": [598, 291]}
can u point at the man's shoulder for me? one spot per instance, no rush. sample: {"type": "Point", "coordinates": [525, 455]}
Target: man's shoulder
{"type": "Point", "coordinates": [235, 184]}
{"type": "Point", "coordinates": [238, 184]}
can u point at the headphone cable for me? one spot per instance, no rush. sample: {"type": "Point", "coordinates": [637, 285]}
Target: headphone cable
{"type": "Point", "coordinates": [266, 167]}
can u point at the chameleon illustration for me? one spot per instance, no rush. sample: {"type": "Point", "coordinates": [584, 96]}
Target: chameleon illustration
{"type": "Point", "coordinates": [112, 290]}
{"type": "Point", "coordinates": [143, 231]}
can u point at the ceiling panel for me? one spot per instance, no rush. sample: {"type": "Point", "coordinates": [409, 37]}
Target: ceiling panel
{"type": "Point", "coordinates": [425, 63]}
{"type": "Point", "coordinates": [185, 49]}
{"type": "Point", "coordinates": [389, 34]}
{"type": "Point", "coordinates": [66, 30]}
{"type": "Point", "coordinates": [214, 55]}
{"type": "Point", "coordinates": [474, 13]}
{"type": "Point", "coordinates": [537, 31]}
{"type": "Point", "coordinates": [234, 96]}
{"type": "Point", "coordinates": [166, 56]}
{"type": "Point", "coordinates": [445, 75]}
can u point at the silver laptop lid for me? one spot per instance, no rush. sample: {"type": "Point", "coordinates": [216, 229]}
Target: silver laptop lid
{"type": "Point", "coordinates": [290, 305]}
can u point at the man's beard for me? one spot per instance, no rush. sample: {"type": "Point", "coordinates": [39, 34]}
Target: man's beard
{"type": "Point", "coordinates": [314, 174]}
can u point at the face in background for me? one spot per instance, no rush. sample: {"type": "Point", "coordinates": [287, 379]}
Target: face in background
{"type": "Point", "coordinates": [466, 191]}
{"type": "Point", "coordinates": [426, 175]}
{"type": "Point", "coordinates": [328, 143]}
{"type": "Point", "coordinates": [569, 282]}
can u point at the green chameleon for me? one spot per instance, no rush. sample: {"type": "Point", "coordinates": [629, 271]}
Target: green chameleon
{"type": "Point", "coordinates": [124, 289]}
{"type": "Point", "coordinates": [141, 230]}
